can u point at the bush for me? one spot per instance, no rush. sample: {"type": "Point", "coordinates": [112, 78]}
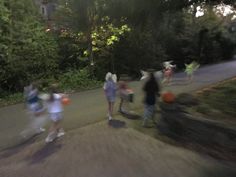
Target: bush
{"type": "Point", "coordinates": [187, 99]}
{"type": "Point", "coordinates": [203, 108]}
{"type": "Point", "coordinates": [9, 99]}
{"type": "Point", "coordinates": [77, 79]}
{"type": "Point", "coordinates": [69, 81]}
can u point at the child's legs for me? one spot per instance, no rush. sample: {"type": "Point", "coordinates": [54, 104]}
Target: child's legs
{"type": "Point", "coordinates": [53, 131]}
{"type": "Point", "coordinates": [53, 127]}
{"type": "Point", "coordinates": [56, 119]}
{"type": "Point", "coordinates": [121, 103]}
{"type": "Point", "coordinates": [58, 126]}
{"type": "Point", "coordinates": [111, 105]}
{"type": "Point", "coordinates": [152, 111]}
{"type": "Point", "coordinates": [148, 113]}
{"type": "Point", "coordinates": [169, 77]}
{"type": "Point", "coordinates": [110, 101]}
{"type": "Point", "coordinates": [190, 76]}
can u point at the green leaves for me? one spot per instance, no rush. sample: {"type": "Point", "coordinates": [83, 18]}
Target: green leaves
{"type": "Point", "coordinates": [77, 79]}
{"type": "Point", "coordinates": [28, 52]}
{"type": "Point", "coordinates": [106, 35]}
{"type": "Point", "coordinates": [117, 35]}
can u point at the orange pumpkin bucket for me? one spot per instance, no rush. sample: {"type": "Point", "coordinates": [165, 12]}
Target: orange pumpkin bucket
{"type": "Point", "coordinates": [65, 101]}
{"type": "Point", "coordinates": [168, 97]}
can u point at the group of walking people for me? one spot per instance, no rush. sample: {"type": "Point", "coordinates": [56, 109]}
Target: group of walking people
{"type": "Point", "coordinates": [51, 104]}
{"type": "Point", "coordinates": [111, 87]}
{"type": "Point", "coordinates": [151, 89]}
{"type": "Point", "coordinates": [42, 106]}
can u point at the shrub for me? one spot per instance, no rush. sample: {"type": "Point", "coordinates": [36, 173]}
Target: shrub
{"type": "Point", "coordinates": [77, 79]}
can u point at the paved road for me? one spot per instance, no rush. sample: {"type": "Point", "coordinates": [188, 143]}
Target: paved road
{"type": "Point", "coordinates": [89, 106]}
{"type": "Point", "coordinates": [99, 150]}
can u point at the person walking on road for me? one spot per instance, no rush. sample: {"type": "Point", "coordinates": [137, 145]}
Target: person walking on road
{"type": "Point", "coordinates": [151, 89]}
{"type": "Point", "coordinates": [168, 72]}
{"type": "Point", "coordinates": [110, 92]}
{"type": "Point", "coordinates": [55, 110]}
{"type": "Point", "coordinates": [190, 69]}
{"type": "Point", "coordinates": [35, 108]}
{"type": "Point", "coordinates": [126, 94]}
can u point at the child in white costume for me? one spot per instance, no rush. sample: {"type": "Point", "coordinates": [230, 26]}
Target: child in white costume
{"type": "Point", "coordinates": [110, 92]}
{"type": "Point", "coordinates": [55, 110]}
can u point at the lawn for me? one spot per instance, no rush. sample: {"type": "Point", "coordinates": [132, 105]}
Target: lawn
{"type": "Point", "coordinates": [218, 101]}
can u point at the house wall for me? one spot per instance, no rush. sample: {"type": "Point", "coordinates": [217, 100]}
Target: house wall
{"type": "Point", "coordinates": [46, 8]}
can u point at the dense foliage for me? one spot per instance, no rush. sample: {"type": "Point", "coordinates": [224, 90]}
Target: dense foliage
{"type": "Point", "coordinates": [156, 31]}
{"type": "Point", "coordinates": [91, 37]}
{"type": "Point", "coordinates": [27, 52]}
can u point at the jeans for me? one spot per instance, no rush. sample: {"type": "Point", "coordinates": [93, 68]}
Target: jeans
{"type": "Point", "coordinates": [149, 111]}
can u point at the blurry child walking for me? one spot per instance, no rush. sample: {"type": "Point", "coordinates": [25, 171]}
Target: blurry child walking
{"type": "Point", "coordinates": [123, 86]}
{"type": "Point", "coordinates": [110, 92]}
{"type": "Point", "coordinates": [126, 94]}
{"type": "Point", "coordinates": [190, 69]}
{"type": "Point", "coordinates": [168, 71]}
{"type": "Point", "coordinates": [55, 110]}
{"type": "Point", "coordinates": [35, 108]}
{"type": "Point", "coordinates": [151, 89]}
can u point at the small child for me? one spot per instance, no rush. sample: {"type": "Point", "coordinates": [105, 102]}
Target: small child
{"type": "Point", "coordinates": [55, 110]}
{"type": "Point", "coordinates": [168, 71]}
{"type": "Point", "coordinates": [151, 89]}
{"type": "Point", "coordinates": [190, 69]}
{"type": "Point", "coordinates": [123, 86]}
{"type": "Point", "coordinates": [34, 106]}
{"type": "Point", "coordinates": [126, 94]}
{"type": "Point", "coordinates": [110, 92]}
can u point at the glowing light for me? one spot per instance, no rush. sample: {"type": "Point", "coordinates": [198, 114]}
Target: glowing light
{"type": "Point", "coordinates": [200, 12]}
{"type": "Point", "coordinates": [221, 9]}
{"type": "Point", "coordinates": [224, 9]}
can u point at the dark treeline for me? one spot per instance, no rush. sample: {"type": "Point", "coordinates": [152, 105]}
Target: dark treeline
{"type": "Point", "coordinates": [91, 37]}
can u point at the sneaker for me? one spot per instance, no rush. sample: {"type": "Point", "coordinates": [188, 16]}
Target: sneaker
{"type": "Point", "coordinates": [61, 133]}
{"type": "Point", "coordinates": [109, 118]}
{"type": "Point", "coordinates": [42, 129]}
{"type": "Point", "coordinates": [49, 139]}
{"type": "Point", "coordinates": [123, 111]}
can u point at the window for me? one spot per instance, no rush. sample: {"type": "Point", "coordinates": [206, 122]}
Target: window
{"type": "Point", "coordinates": [43, 10]}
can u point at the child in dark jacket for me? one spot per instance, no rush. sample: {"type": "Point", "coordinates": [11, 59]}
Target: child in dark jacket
{"type": "Point", "coordinates": [151, 89]}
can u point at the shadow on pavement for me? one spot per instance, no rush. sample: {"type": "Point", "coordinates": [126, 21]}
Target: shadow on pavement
{"type": "Point", "coordinates": [8, 152]}
{"type": "Point", "coordinates": [131, 115]}
{"type": "Point", "coordinates": [117, 123]}
{"type": "Point", "coordinates": [46, 151]}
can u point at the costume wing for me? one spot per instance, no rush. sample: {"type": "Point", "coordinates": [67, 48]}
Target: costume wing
{"type": "Point", "coordinates": [158, 75]}
{"type": "Point", "coordinates": [196, 66]}
{"type": "Point", "coordinates": [167, 64]}
{"type": "Point", "coordinates": [114, 78]}
{"type": "Point", "coordinates": [44, 96]}
{"type": "Point", "coordinates": [144, 75]}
